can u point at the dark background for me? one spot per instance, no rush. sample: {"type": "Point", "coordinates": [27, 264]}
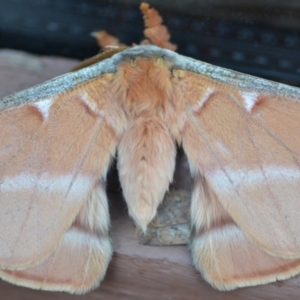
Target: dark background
{"type": "Point", "coordinates": [256, 37]}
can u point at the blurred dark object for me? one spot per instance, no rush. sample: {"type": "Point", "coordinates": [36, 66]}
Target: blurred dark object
{"type": "Point", "coordinates": [240, 35]}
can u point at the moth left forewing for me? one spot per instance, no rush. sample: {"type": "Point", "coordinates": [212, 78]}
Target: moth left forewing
{"type": "Point", "coordinates": [245, 142]}
{"type": "Point", "coordinates": [54, 151]}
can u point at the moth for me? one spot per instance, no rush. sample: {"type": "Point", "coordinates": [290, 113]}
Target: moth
{"type": "Point", "coordinates": [241, 135]}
